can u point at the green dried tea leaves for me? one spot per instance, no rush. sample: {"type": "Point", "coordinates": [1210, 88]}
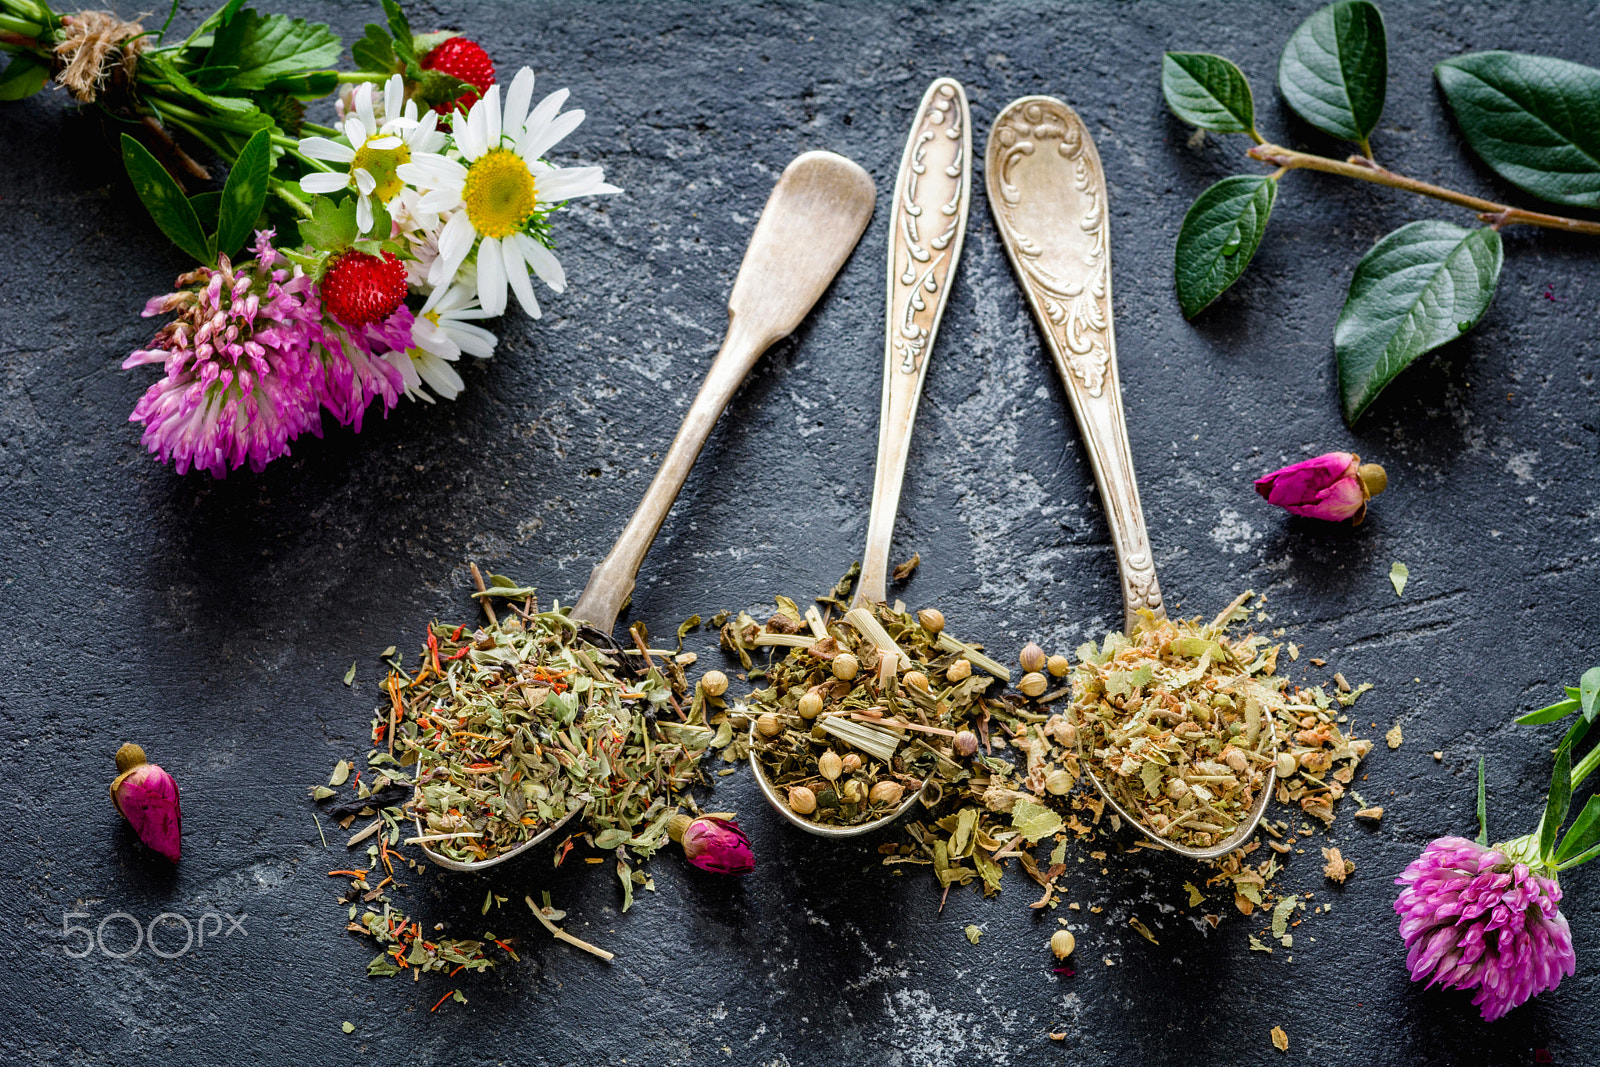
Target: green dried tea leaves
{"type": "Point", "coordinates": [1399, 575]}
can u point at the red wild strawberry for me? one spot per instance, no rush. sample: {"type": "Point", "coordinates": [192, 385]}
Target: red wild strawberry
{"type": "Point", "coordinates": [464, 59]}
{"type": "Point", "coordinates": [359, 288]}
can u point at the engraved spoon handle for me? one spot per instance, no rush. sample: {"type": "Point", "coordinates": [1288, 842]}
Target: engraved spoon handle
{"type": "Point", "coordinates": [1048, 194]}
{"type": "Point", "coordinates": [812, 220]}
{"type": "Point", "coordinates": [926, 228]}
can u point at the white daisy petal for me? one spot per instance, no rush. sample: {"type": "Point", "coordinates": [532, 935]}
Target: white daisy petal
{"type": "Point", "coordinates": [518, 98]}
{"type": "Point", "coordinates": [354, 132]}
{"type": "Point", "coordinates": [386, 142]}
{"type": "Point", "coordinates": [440, 376]}
{"type": "Point", "coordinates": [364, 109]}
{"type": "Point", "coordinates": [433, 338]}
{"type": "Point", "coordinates": [364, 214]}
{"type": "Point", "coordinates": [365, 182]}
{"type": "Point", "coordinates": [540, 117]}
{"type": "Point", "coordinates": [569, 182]}
{"type": "Point", "coordinates": [440, 200]}
{"type": "Point", "coordinates": [432, 169]}
{"type": "Point", "coordinates": [552, 134]}
{"type": "Point", "coordinates": [491, 116]}
{"type": "Point", "coordinates": [517, 275]}
{"type": "Point", "coordinates": [473, 340]}
{"type": "Point", "coordinates": [323, 148]}
{"type": "Point", "coordinates": [455, 242]}
{"type": "Point", "coordinates": [323, 182]}
{"type": "Point", "coordinates": [491, 277]}
{"type": "Point", "coordinates": [543, 261]}
{"type": "Point", "coordinates": [394, 95]}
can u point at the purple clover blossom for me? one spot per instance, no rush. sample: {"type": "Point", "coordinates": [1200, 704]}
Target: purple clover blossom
{"type": "Point", "coordinates": [359, 363]}
{"type": "Point", "coordinates": [240, 378]}
{"type": "Point", "coordinates": [1473, 918]}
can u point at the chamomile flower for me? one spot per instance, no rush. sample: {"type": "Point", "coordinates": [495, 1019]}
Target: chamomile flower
{"type": "Point", "coordinates": [498, 193]}
{"type": "Point", "coordinates": [372, 153]}
{"type": "Point", "coordinates": [441, 332]}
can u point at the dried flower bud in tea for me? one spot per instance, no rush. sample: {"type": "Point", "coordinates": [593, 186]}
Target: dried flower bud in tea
{"type": "Point", "coordinates": [959, 671]}
{"type": "Point", "coordinates": [1032, 658]}
{"type": "Point", "coordinates": [715, 683]}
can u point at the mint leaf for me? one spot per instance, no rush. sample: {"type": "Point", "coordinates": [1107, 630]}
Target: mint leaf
{"type": "Point", "coordinates": [1207, 91]}
{"type": "Point", "coordinates": [1335, 69]}
{"type": "Point", "coordinates": [244, 194]}
{"type": "Point", "coordinates": [1420, 287]}
{"type": "Point", "coordinates": [1533, 119]}
{"type": "Point", "coordinates": [165, 201]}
{"type": "Point", "coordinates": [1219, 236]}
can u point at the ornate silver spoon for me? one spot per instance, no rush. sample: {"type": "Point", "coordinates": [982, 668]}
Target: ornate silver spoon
{"type": "Point", "coordinates": [1048, 194]}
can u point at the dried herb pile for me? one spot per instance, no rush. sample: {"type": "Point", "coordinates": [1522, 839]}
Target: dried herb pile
{"type": "Point", "coordinates": [1177, 723]}
{"type": "Point", "coordinates": [500, 733]}
{"type": "Point", "coordinates": [1023, 790]}
{"type": "Point", "coordinates": [866, 708]}
{"type": "Point", "coordinates": [508, 729]}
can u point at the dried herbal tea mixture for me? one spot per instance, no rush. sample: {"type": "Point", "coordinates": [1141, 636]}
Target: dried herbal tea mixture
{"type": "Point", "coordinates": [865, 709]}
{"type": "Point", "coordinates": [1177, 722]}
{"type": "Point", "coordinates": [506, 730]}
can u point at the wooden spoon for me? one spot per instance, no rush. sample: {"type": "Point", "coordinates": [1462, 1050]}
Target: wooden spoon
{"type": "Point", "coordinates": [812, 220]}
{"type": "Point", "coordinates": [1048, 194]}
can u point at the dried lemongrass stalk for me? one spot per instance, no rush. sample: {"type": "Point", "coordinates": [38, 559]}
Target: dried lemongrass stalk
{"type": "Point", "coordinates": [977, 659]}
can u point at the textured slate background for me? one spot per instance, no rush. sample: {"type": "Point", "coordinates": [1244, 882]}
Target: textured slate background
{"type": "Point", "coordinates": [212, 621]}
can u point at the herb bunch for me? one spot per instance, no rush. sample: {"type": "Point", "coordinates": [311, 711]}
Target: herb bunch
{"type": "Point", "coordinates": [1534, 120]}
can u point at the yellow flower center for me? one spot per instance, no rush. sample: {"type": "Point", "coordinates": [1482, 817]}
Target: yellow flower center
{"type": "Point", "coordinates": [381, 163]}
{"type": "Point", "coordinates": [431, 316]}
{"type": "Point", "coordinates": [499, 193]}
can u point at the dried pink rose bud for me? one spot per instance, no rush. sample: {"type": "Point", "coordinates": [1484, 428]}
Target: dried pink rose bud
{"type": "Point", "coordinates": [713, 843]}
{"type": "Point", "coordinates": [1334, 487]}
{"type": "Point", "coordinates": [147, 797]}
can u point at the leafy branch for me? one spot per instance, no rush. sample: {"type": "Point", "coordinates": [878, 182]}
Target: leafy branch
{"type": "Point", "coordinates": [1534, 120]}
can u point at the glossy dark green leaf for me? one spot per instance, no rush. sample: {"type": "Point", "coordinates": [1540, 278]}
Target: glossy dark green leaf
{"type": "Point", "coordinates": [1335, 69]}
{"type": "Point", "coordinates": [1207, 91]}
{"type": "Point", "coordinates": [1533, 119]}
{"type": "Point", "coordinates": [1559, 710]}
{"type": "Point", "coordinates": [165, 201]}
{"type": "Point", "coordinates": [1585, 832]}
{"type": "Point", "coordinates": [1558, 803]}
{"type": "Point", "coordinates": [1419, 287]}
{"type": "Point", "coordinates": [244, 194]}
{"type": "Point", "coordinates": [1219, 236]}
{"type": "Point", "coordinates": [23, 77]}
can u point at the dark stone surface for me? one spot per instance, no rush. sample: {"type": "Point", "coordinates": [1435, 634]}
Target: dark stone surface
{"type": "Point", "coordinates": [212, 621]}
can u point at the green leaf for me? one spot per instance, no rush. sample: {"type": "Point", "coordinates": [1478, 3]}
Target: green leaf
{"type": "Point", "coordinates": [1421, 286]}
{"type": "Point", "coordinates": [1220, 234]}
{"type": "Point", "coordinates": [1033, 821]}
{"type": "Point", "coordinates": [1585, 832]}
{"type": "Point", "coordinates": [1559, 802]}
{"type": "Point", "coordinates": [1208, 91]}
{"type": "Point", "coordinates": [267, 48]}
{"type": "Point", "coordinates": [1335, 68]}
{"type": "Point", "coordinates": [206, 207]}
{"type": "Point", "coordinates": [375, 51]}
{"type": "Point", "coordinates": [1589, 693]}
{"type": "Point", "coordinates": [166, 203]}
{"type": "Point", "coordinates": [1399, 575]}
{"type": "Point", "coordinates": [400, 30]}
{"type": "Point", "coordinates": [23, 77]}
{"type": "Point", "coordinates": [1483, 807]}
{"type": "Point", "coordinates": [244, 194]}
{"type": "Point", "coordinates": [331, 225]}
{"type": "Point", "coordinates": [1535, 120]}
{"type": "Point", "coordinates": [1559, 710]}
